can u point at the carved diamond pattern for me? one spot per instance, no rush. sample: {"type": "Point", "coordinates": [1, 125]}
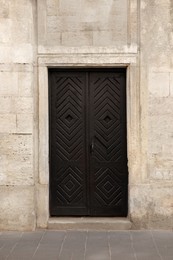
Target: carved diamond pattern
{"type": "Point", "coordinates": [69, 123]}
{"type": "Point", "coordinates": [108, 190]}
{"type": "Point", "coordinates": [69, 186]}
{"type": "Point", "coordinates": [107, 120]}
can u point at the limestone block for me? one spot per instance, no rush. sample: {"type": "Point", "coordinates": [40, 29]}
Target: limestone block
{"type": "Point", "coordinates": [22, 30]}
{"type": "Point", "coordinates": [8, 123]}
{"type": "Point", "coordinates": [171, 84]}
{"type": "Point", "coordinates": [102, 38]}
{"type": "Point", "coordinates": [17, 208]}
{"type": "Point", "coordinates": [8, 83]}
{"type": "Point", "coordinates": [161, 174]}
{"type": "Point", "coordinates": [52, 7]}
{"type": "Point", "coordinates": [5, 105]}
{"type": "Point", "coordinates": [69, 7]}
{"type": "Point", "coordinates": [42, 205]}
{"type": "Point", "coordinates": [94, 10]}
{"type": "Point", "coordinates": [42, 21]}
{"type": "Point", "coordinates": [21, 8]}
{"type": "Point", "coordinates": [26, 84]}
{"type": "Point", "coordinates": [63, 23]}
{"type": "Point", "coordinates": [24, 123]}
{"type": "Point", "coordinates": [151, 206]}
{"type": "Point", "coordinates": [16, 144]}
{"type": "Point", "coordinates": [160, 134]}
{"type": "Point", "coordinates": [109, 38]}
{"type": "Point", "coordinates": [101, 13]}
{"type": "Point", "coordinates": [22, 53]}
{"type": "Point", "coordinates": [5, 54]}
{"type": "Point", "coordinates": [77, 38]}
{"type": "Point", "coordinates": [159, 84]}
{"type": "Point", "coordinates": [4, 10]}
{"type": "Point", "coordinates": [16, 67]}
{"type": "Point", "coordinates": [53, 39]}
{"type": "Point", "coordinates": [117, 7]}
{"type": "Point", "coordinates": [23, 105]}
{"type": "Point", "coordinates": [5, 30]}
{"type": "Point", "coordinates": [16, 169]}
{"type": "Point", "coordinates": [160, 106]}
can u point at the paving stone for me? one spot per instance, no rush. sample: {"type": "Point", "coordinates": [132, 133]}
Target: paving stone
{"type": "Point", "coordinates": [83, 245]}
{"type": "Point", "coordinates": [97, 246]}
{"type": "Point", "coordinates": [120, 245]}
{"type": "Point", "coordinates": [8, 241]}
{"type": "Point", "coordinates": [74, 246]}
{"type": "Point", "coordinates": [50, 245]}
{"type": "Point", "coordinates": [143, 245]}
{"type": "Point", "coordinates": [164, 243]}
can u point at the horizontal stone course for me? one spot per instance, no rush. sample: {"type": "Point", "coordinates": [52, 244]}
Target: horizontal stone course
{"type": "Point", "coordinates": [8, 83]}
{"type": "Point", "coordinates": [17, 204]}
{"type": "Point", "coordinates": [8, 123]}
{"type": "Point", "coordinates": [77, 38]}
{"type": "Point", "coordinates": [16, 144]}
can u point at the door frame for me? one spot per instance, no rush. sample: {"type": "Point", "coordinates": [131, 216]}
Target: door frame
{"type": "Point", "coordinates": [84, 60]}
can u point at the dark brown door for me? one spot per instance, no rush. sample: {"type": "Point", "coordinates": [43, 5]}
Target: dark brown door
{"type": "Point", "coordinates": [88, 149]}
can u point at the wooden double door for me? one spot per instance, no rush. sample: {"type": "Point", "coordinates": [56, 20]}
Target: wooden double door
{"type": "Point", "coordinates": [88, 150]}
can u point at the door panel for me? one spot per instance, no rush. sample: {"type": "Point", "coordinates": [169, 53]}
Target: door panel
{"type": "Point", "coordinates": [88, 159]}
{"type": "Point", "coordinates": [108, 162]}
{"type": "Point", "coordinates": [68, 153]}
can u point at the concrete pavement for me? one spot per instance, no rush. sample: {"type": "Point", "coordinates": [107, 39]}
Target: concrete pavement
{"type": "Point", "coordinates": [86, 245]}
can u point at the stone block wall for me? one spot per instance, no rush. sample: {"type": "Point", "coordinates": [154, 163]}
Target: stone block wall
{"type": "Point", "coordinates": [140, 31]}
{"type": "Point", "coordinates": [82, 23]}
{"type": "Point", "coordinates": [152, 196]}
{"type": "Point", "coordinates": [17, 48]}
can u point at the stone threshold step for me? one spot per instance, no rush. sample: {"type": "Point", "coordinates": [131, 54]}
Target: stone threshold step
{"type": "Point", "coordinates": [89, 223]}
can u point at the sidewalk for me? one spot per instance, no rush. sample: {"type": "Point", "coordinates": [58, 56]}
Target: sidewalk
{"type": "Point", "coordinates": [88, 245]}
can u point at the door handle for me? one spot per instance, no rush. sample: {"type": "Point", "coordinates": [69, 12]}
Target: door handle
{"type": "Point", "coordinates": [92, 146]}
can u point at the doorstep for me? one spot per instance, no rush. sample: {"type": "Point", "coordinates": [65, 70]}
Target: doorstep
{"type": "Point", "coordinates": [89, 223]}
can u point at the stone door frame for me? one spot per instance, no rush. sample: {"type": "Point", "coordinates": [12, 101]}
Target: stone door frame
{"type": "Point", "coordinates": [100, 59]}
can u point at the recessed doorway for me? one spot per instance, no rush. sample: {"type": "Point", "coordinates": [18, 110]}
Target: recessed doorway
{"type": "Point", "coordinates": [87, 142]}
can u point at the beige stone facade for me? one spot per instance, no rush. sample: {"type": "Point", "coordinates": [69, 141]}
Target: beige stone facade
{"type": "Point", "coordinates": [37, 34]}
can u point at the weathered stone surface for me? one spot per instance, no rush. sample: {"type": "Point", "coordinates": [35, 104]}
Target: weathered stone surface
{"type": "Point", "coordinates": [24, 123]}
{"type": "Point", "coordinates": [42, 202]}
{"type": "Point", "coordinates": [17, 36]}
{"type": "Point", "coordinates": [16, 169]}
{"type": "Point", "coordinates": [171, 84]}
{"type": "Point", "coordinates": [8, 83]}
{"type": "Point", "coordinates": [16, 144]}
{"type": "Point", "coordinates": [52, 7]}
{"type": "Point", "coordinates": [161, 174]}
{"type": "Point", "coordinates": [17, 208]}
{"type": "Point", "coordinates": [160, 128]}
{"type": "Point", "coordinates": [151, 206]}
{"type": "Point", "coordinates": [8, 123]}
{"type": "Point", "coordinates": [159, 84]}
{"type": "Point", "coordinates": [4, 10]}
{"type": "Point", "coordinates": [23, 105]}
{"type": "Point", "coordinates": [21, 9]}
{"type": "Point", "coordinates": [5, 30]}
{"type": "Point", "coordinates": [77, 38]}
{"type": "Point", "coordinates": [71, 7]}
{"type": "Point", "coordinates": [103, 38]}
{"type": "Point", "coordinates": [21, 30]}
{"type": "Point", "coordinates": [160, 106]}
{"type": "Point", "coordinates": [6, 104]}
{"type": "Point", "coordinates": [72, 19]}
{"type": "Point", "coordinates": [22, 53]}
{"type": "Point", "coordinates": [25, 80]}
